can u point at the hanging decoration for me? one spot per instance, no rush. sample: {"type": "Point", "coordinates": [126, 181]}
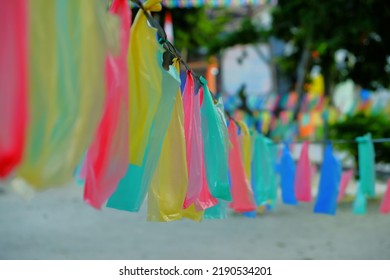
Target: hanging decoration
{"type": "Point", "coordinates": [345, 179]}
{"type": "Point", "coordinates": [328, 189]}
{"type": "Point", "coordinates": [360, 202]}
{"type": "Point", "coordinates": [13, 84]}
{"type": "Point", "coordinates": [302, 182]}
{"type": "Point", "coordinates": [243, 200]}
{"type": "Point", "coordinates": [215, 139]}
{"type": "Point", "coordinates": [106, 160]}
{"type": "Point", "coordinates": [78, 84]}
{"type": "Point", "coordinates": [287, 176]}
{"type": "Point", "coordinates": [366, 164]}
{"type": "Point", "coordinates": [65, 92]}
{"type": "Point", "coordinates": [385, 205]}
{"type": "Point", "coordinates": [193, 136]}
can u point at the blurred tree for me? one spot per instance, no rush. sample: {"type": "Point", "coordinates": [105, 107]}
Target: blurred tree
{"type": "Point", "coordinates": [198, 31]}
{"type": "Point", "coordinates": [359, 125]}
{"type": "Point", "coordinates": [317, 30]}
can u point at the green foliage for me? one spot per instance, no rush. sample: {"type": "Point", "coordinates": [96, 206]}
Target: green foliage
{"type": "Point", "coordinates": [359, 125]}
{"type": "Point", "coordinates": [247, 33]}
{"type": "Point", "coordinates": [358, 26]}
{"type": "Point", "coordinates": [194, 28]}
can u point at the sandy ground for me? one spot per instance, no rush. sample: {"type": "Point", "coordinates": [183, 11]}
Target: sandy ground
{"type": "Point", "coordinates": [56, 224]}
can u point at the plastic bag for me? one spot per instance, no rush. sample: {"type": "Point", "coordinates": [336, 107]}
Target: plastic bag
{"type": "Point", "coordinates": [273, 191]}
{"type": "Point", "coordinates": [328, 189]}
{"type": "Point", "coordinates": [132, 189]}
{"type": "Point", "coordinates": [214, 133]}
{"type": "Point", "coordinates": [145, 75]}
{"type": "Point", "coordinates": [205, 199]}
{"type": "Point", "coordinates": [217, 212]}
{"type": "Point", "coordinates": [170, 180]}
{"type": "Point", "coordinates": [360, 202]}
{"type": "Point", "coordinates": [345, 178]}
{"type": "Point", "coordinates": [107, 158]}
{"type": "Point", "coordinates": [302, 182]}
{"type": "Point", "coordinates": [192, 213]}
{"type": "Point", "coordinates": [243, 200]}
{"type": "Point", "coordinates": [245, 144]}
{"type": "Point", "coordinates": [287, 173]}
{"type": "Point", "coordinates": [193, 136]}
{"type": "Point", "coordinates": [13, 84]}
{"type": "Point", "coordinates": [65, 92]}
{"type": "Point", "coordinates": [263, 173]}
{"type": "Point", "coordinates": [366, 164]}
{"type": "Point", "coordinates": [385, 204]}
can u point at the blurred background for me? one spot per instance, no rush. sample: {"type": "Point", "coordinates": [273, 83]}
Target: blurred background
{"type": "Point", "coordinates": [294, 70]}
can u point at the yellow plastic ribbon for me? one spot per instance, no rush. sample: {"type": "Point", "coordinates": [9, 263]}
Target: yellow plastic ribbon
{"type": "Point", "coordinates": [245, 141]}
{"type": "Point", "coordinates": [145, 81]}
{"type": "Point", "coordinates": [67, 48]}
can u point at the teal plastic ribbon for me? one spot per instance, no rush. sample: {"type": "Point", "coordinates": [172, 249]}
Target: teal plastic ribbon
{"type": "Point", "coordinates": [366, 164]}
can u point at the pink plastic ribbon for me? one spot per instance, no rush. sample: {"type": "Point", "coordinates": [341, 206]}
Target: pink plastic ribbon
{"type": "Point", "coordinates": [194, 146]}
{"type": "Point", "coordinates": [385, 205]}
{"type": "Point", "coordinates": [302, 183]}
{"type": "Point", "coordinates": [242, 194]}
{"type": "Point", "coordinates": [107, 158]}
{"type": "Point", "coordinates": [13, 83]}
{"type": "Point", "coordinates": [345, 179]}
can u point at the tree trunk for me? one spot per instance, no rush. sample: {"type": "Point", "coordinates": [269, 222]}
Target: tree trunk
{"type": "Point", "coordinates": [301, 75]}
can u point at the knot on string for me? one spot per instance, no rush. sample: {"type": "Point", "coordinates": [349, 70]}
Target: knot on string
{"type": "Point", "coordinates": [162, 41]}
{"type": "Point", "coordinates": [151, 5]}
{"type": "Point", "coordinates": [203, 81]}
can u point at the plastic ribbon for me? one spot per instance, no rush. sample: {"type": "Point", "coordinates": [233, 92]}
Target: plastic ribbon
{"type": "Point", "coordinates": [287, 173]}
{"type": "Point", "coordinates": [366, 164]}
{"type": "Point", "coordinates": [13, 83]}
{"type": "Point", "coordinates": [242, 194]}
{"type": "Point", "coordinates": [65, 92]}
{"type": "Point", "coordinates": [145, 75]}
{"type": "Point", "coordinates": [246, 152]}
{"type": "Point", "coordinates": [132, 189]}
{"type": "Point", "coordinates": [169, 185]}
{"type": "Point", "coordinates": [214, 133]}
{"type": "Point", "coordinates": [345, 179]}
{"type": "Point", "coordinates": [302, 182]}
{"type": "Point", "coordinates": [385, 204]}
{"type": "Point", "coordinates": [360, 202]}
{"type": "Point", "coordinates": [217, 212]}
{"type": "Point", "coordinates": [329, 182]}
{"type": "Point", "coordinates": [262, 170]}
{"type": "Point", "coordinates": [107, 158]}
{"type": "Point", "coordinates": [205, 199]}
{"type": "Point", "coordinates": [193, 136]}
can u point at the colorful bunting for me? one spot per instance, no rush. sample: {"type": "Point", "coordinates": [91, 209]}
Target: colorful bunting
{"type": "Point", "coordinates": [287, 176]}
{"type": "Point", "coordinates": [215, 137]}
{"type": "Point", "coordinates": [385, 204]}
{"type": "Point", "coordinates": [345, 179]}
{"type": "Point", "coordinates": [170, 180]}
{"type": "Point", "coordinates": [132, 192]}
{"type": "Point", "coordinates": [366, 164]}
{"type": "Point", "coordinates": [302, 183]}
{"type": "Point", "coordinates": [242, 194]}
{"type": "Point", "coordinates": [329, 182]}
{"type": "Point", "coordinates": [106, 161]}
{"type": "Point", "coordinates": [193, 136]}
{"type": "Point", "coordinates": [145, 77]}
{"type": "Point", "coordinates": [360, 202]}
{"type": "Point", "coordinates": [66, 93]}
{"type": "Point", "coordinates": [263, 177]}
{"type": "Point", "coordinates": [13, 84]}
{"type": "Point", "coordinates": [213, 3]}
{"type": "Point", "coordinates": [145, 139]}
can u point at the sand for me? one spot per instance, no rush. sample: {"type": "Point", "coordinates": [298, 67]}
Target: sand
{"type": "Point", "coordinates": [57, 224]}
